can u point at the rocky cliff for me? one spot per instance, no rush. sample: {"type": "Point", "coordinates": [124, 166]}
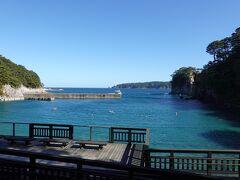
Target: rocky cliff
{"type": "Point", "coordinates": [183, 81]}
{"type": "Point", "coordinates": [15, 94]}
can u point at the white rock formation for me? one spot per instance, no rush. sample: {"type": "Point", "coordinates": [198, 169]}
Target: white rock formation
{"type": "Point", "coordinates": [15, 94]}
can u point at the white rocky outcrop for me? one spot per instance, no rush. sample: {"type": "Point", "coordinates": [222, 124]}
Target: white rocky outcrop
{"type": "Point", "coordinates": [15, 94]}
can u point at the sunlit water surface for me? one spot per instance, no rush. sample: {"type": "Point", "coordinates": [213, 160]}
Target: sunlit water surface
{"type": "Point", "coordinates": [173, 123]}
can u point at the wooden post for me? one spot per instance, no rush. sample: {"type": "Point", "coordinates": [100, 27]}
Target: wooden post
{"type": "Point", "coordinates": [171, 161]}
{"type": "Point", "coordinates": [209, 163]}
{"type": "Point", "coordinates": [79, 171]}
{"type": "Point", "coordinates": [147, 137]}
{"type": "Point", "coordinates": [50, 131]}
{"type": "Point", "coordinates": [90, 133]}
{"type": "Point", "coordinates": [147, 158]}
{"type": "Point", "coordinates": [239, 166]}
{"type": "Point", "coordinates": [71, 132]}
{"type": "Point", "coordinates": [13, 129]}
{"type": "Point", "coordinates": [31, 133]}
{"type": "Point", "coordinates": [111, 134]}
{"type": "Point", "coordinates": [130, 174]}
{"type": "Point", "coordinates": [32, 175]}
{"type": "Point", "coordinates": [129, 136]}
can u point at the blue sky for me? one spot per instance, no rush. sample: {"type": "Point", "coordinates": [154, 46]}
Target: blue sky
{"type": "Point", "coordinates": [100, 43]}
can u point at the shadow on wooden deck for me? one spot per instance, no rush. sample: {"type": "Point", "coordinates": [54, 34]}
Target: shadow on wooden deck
{"type": "Point", "coordinates": [112, 152]}
{"type": "Point", "coordinates": [133, 155]}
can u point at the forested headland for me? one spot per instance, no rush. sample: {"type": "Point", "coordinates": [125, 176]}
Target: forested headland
{"type": "Point", "coordinates": [16, 75]}
{"type": "Point", "coordinates": [219, 80]}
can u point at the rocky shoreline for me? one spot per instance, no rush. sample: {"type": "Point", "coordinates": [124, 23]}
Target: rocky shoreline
{"type": "Point", "coordinates": [17, 94]}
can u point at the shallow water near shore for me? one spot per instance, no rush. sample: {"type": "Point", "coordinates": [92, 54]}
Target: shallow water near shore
{"type": "Point", "coordinates": [173, 123]}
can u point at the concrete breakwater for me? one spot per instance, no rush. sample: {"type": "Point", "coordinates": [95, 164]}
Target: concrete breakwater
{"type": "Point", "coordinates": [39, 96]}
{"type": "Point", "coordinates": [49, 97]}
{"type": "Point", "coordinates": [87, 96]}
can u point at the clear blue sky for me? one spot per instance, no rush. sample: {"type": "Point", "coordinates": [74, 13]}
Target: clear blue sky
{"type": "Point", "coordinates": [99, 43]}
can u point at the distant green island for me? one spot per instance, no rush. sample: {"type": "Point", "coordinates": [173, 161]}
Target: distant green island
{"type": "Point", "coordinates": [153, 84]}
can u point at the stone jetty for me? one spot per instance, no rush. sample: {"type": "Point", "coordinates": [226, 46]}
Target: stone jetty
{"type": "Point", "coordinates": [87, 96]}
{"type": "Point", "coordinates": [49, 96]}
{"type": "Point", "coordinates": [39, 96]}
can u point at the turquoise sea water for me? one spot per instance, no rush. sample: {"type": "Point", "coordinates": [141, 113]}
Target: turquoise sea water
{"type": "Point", "coordinates": [173, 123]}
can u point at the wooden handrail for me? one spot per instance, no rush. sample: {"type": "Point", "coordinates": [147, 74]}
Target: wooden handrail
{"type": "Point", "coordinates": [196, 158]}
{"type": "Point", "coordinates": [94, 163]}
{"type": "Point", "coordinates": [203, 160]}
{"type": "Point", "coordinates": [45, 124]}
{"type": "Point", "coordinates": [75, 125]}
{"type": "Point", "coordinates": [124, 128]}
{"type": "Point", "coordinates": [137, 135]}
{"type": "Point", "coordinates": [129, 135]}
{"type": "Point", "coordinates": [152, 150]}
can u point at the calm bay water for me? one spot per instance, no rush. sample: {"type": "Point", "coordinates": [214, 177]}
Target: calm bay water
{"type": "Point", "coordinates": [173, 123]}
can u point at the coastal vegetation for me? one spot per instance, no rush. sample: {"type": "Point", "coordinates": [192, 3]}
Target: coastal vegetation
{"type": "Point", "coordinates": [183, 80]}
{"type": "Point", "coordinates": [16, 75]}
{"type": "Point", "coordinates": [219, 80]}
{"type": "Point", "coordinates": [153, 84]}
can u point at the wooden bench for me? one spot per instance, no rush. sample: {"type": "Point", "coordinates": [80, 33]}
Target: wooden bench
{"type": "Point", "coordinates": [96, 144]}
{"type": "Point", "coordinates": [48, 142]}
{"type": "Point", "coordinates": [13, 139]}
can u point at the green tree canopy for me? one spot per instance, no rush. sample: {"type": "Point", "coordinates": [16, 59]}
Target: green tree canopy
{"type": "Point", "coordinates": [222, 49]}
{"type": "Point", "coordinates": [16, 75]}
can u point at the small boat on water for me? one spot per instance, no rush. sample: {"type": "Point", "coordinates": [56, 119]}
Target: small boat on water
{"type": "Point", "coordinates": [118, 92]}
{"type": "Point", "coordinates": [53, 89]}
{"type": "Point", "coordinates": [48, 89]}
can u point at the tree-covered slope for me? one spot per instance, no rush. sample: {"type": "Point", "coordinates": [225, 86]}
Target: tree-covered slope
{"type": "Point", "coordinates": [219, 80]}
{"type": "Point", "coordinates": [17, 75]}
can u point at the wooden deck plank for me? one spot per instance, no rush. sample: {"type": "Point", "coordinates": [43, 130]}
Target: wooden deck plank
{"type": "Point", "coordinates": [112, 152]}
{"type": "Point", "coordinates": [135, 157]}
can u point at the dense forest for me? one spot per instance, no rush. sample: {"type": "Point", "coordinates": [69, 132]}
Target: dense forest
{"type": "Point", "coordinates": [219, 80]}
{"type": "Point", "coordinates": [16, 75]}
{"type": "Point", "coordinates": [153, 84]}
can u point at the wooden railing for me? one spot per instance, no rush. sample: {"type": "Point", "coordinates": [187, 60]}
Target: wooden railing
{"type": "Point", "coordinates": [113, 134]}
{"type": "Point", "coordinates": [208, 162]}
{"type": "Point", "coordinates": [34, 166]}
{"type": "Point", "coordinates": [51, 131]}
{"type": "Point", "coordinates": [13, 128]}
{"type": "Point", "coordinates": [129, 135]}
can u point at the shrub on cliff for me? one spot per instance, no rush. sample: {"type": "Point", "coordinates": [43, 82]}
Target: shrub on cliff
{"type": "Point", "coordinates": [17, 75]}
